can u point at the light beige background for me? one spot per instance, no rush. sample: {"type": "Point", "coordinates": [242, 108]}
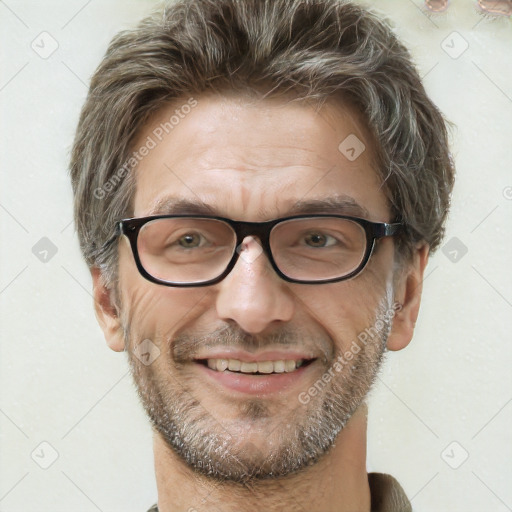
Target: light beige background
{"type": "Point", "coordinates": [445, 397]}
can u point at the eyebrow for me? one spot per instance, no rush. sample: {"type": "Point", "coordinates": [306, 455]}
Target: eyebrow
{"type": "Point", "coordinates": [339, 204]}
{"type": "Point", "coordinates": [178, 206]}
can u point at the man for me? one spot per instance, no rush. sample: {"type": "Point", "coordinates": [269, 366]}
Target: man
{"type": "Point", "coordinates": [258, 184]}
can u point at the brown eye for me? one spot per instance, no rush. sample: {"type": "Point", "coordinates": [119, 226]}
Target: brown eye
{"type": "Point", "coordinates": [190, 241]}
{"type": "Point", "coordinates": [319, 240]}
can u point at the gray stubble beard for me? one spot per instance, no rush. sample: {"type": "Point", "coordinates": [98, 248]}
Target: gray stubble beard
{"type": "Point", "coordinates": [295, 443]}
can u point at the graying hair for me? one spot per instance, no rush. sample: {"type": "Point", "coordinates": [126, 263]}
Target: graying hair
{"type": "Point", "coordinates": [314, 49]}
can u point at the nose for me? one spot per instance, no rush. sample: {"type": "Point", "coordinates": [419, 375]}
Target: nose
{"type": "Point", "coordinates": [253, 295]}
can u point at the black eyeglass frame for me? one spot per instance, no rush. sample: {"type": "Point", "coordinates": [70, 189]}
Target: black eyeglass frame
{"type": "Point", "coordinates": [374, 230]}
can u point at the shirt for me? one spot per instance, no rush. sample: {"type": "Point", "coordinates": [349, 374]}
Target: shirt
{"type": "Point", "coordinates": [386, 495]}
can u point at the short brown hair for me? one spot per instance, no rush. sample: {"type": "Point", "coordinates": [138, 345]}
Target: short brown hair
{"type": "Point", "coordinates": [315, 49]}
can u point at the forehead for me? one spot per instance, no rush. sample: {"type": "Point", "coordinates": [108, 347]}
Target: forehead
{"type": "Point", "coordinates": [256, 159]}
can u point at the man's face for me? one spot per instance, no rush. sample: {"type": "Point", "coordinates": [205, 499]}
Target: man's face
{"type": "Point", "coordinates": [256, 162]}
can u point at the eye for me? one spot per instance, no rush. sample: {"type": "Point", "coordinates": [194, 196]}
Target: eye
{"type": "Point", "coordinates": [190, 240]}
{"type": "Point", "coordinates": [319, 240]}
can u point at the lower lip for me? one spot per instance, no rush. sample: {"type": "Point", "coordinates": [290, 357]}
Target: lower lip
{"type": "Point", "coordinates": [256, 384]}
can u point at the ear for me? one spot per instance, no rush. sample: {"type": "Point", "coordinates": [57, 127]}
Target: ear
{"type": "Point", "coordinates": [107, 312]}
{"type": "Point", "coordinates": [408, 294]}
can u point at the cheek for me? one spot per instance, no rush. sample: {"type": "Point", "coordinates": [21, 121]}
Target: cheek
{"type": "Point", "coordinates": [346, 309]}
{"type": "Point", "coordinates": [160, 311]}
{"type": "Point", "coordinates": [152, 310]}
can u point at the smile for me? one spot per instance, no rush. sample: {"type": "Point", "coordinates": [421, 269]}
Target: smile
{"type": "Point", "coordinates": [256, 368]}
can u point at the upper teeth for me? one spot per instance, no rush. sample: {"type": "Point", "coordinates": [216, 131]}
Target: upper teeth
{"type": "Point", "coordinates": [262, 367]}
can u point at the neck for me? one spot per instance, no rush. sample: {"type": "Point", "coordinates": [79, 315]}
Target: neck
{"type": "Point", "coordinates": [337, 483]}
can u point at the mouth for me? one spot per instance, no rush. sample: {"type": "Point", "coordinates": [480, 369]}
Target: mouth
{"type": "Point", "coordinates": [255, 367]}
{"type": "Point", "coordinates": [266, 377]}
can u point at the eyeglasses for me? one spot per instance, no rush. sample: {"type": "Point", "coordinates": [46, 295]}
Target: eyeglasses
{"type": "Point", "coordinates": [191, 250]}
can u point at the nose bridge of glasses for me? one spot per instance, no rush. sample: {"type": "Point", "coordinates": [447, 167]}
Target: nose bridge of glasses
{"type": "Point", "coordinates": [256, 230]}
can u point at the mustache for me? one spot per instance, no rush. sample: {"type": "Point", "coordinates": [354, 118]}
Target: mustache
{"type": "Point", "coordinates": [185, 347]}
